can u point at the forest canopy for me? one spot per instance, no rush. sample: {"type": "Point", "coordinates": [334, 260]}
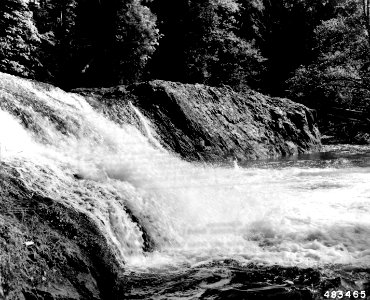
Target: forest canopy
{"type": "Point", "coordinates": [314, 51]}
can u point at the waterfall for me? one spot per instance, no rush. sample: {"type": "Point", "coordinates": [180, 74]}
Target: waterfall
{"type": "Point", "coordinates": [138, 193]}
{"type": "Point", "coordinates": [148, 130]}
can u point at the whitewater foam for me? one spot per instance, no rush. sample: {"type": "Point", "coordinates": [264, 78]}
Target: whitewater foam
{"type": "Point", "coordinates": [190, 212]}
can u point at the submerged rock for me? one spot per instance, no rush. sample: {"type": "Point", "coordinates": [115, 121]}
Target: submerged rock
{"type": "Point", "coordinates": [212, 124]}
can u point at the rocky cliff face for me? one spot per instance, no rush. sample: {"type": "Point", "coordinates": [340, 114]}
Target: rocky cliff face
{"type": "Point", "coordinates": [212, 124]}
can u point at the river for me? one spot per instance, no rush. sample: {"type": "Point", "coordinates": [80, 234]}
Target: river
{"type": "Point", "coordinates": [303, 224]}
{"type": "Point", "coordinates": [292, 228]}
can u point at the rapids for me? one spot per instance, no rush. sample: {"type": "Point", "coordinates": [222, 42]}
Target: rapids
{"type": "Point", "coordinates": [159, 212]}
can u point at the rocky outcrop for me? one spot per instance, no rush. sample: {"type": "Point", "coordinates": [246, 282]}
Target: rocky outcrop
{"type": "Point", "coordinates": [212, 124]}
{"type": "Point", "coordinates": [49, 250]}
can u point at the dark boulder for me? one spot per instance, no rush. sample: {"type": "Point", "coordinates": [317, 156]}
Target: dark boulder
{"type": "Point", "coordinates": [209, 123]}
{"type": "Point", "coordinates": [213, 124]}
{"type": "Point", "coordinates": [49, 250]}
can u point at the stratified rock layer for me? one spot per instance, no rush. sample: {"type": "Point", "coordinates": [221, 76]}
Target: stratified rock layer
{"type": "Point", "coordinates": [204, 122]}
{"type": "Point", "coordinates": [208, 123]}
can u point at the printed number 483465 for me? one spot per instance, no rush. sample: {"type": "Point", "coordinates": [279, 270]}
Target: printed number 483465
{"type": "Point", "coordinates": [347, 294]}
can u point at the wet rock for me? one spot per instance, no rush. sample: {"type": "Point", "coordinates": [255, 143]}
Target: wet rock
{"type": "Point", "coordinates": [63, 292]}
{"type": "Point", "coordinates": [212, 124]}
{"type": "Point", "coordinates": [245, 125]}
{"type": "Point", "coordinates": [69, 258]}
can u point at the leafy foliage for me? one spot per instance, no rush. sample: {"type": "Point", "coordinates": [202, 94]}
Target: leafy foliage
{"type": "Point", "coordinates": [135, 39]}
{"type": "Point", "coordinates": [340, 75]}
{"type": "Point", "coordinates": [95, 42]}
{"type": "Point", "coordinates": [338, 81]}
{"type": "Point", "coordinates": [319, 48]}
{"type": "Point", "coordinates": [19, 39]}
{"type": "Point", "coordinates": [203, 41]}
{"type": "Point", "coordinates": [215, 54]}
{"type": "Point", "coordinates": [233, 42]}
{"type": "Point", "coordinates": [286, 33]}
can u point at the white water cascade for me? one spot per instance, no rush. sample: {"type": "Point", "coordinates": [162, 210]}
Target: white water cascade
{"type": "Point", "coordinates": [192, 212]}
{"type": "Point", "coordinates": [148, 130]}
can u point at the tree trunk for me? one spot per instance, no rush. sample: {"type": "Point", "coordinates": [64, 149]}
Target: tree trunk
{"type": "Point", "coordinates": [366, 15]}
